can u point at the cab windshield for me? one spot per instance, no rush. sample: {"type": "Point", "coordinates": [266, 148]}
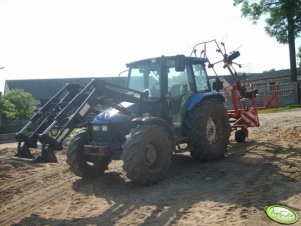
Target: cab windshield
{"type": "Point", "coordinates": [145, 77]}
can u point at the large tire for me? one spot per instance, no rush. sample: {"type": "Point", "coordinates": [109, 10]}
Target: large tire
{"type": "Point", "coordinates": [82, 165]}
{"type": "Point", "coordinates": [208, 130]}
{"type": "Point", "coordinates": [147, 154]}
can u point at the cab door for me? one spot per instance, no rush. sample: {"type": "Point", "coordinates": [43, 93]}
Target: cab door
{"type": "Point", "coordinates": [179, 90]}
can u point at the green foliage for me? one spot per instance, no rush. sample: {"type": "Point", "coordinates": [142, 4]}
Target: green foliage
{"type": "Point", "coordinates": [8, 111]}
{"type": "Point", "coordinates": [23, 103]}
{"type": "Point", "coordinates": [281, 108]}
{"type": "Point", "coordinates": [271, 70]}
{"type": "Point", "coordinates": [281, 16]}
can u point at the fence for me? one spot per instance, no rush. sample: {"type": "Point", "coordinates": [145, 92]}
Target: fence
{"type": "Point", "coordinates": [11, 126]}
{"type": "Point", "coordinates": [269, 95]}
{"type": "Point", "coordinates": [286, 93]}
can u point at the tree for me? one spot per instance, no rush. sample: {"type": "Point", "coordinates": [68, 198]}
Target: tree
{"type": "Point", "coordinates": [299, 56]}
{"type": "Point", "coordinates": [23, 102]}
{"type": "Point", "coordinates": [283, 21]}
{"type": "Point", "coordinates": [8, 111]}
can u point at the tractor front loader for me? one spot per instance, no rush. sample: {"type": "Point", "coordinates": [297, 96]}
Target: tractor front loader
{"type": "Point", "coordinates": [166, 103]}
{"type": "Point", "coordinates": [67, 110]}
{"type": "Point", "coordinates": [42, 119]}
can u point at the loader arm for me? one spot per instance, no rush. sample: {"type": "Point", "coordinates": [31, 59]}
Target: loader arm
{"type": "Point", "coordinates": [65, 119]}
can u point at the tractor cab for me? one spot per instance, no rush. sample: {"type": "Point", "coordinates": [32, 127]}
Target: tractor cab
{"type": "Point", "coordinates": [168, 76]}
{"type": "Point", "coordinates": [171, 83]}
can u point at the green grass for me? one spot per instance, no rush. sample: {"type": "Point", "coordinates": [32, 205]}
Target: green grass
{"type": "Point", "coordinates": [281, 108]}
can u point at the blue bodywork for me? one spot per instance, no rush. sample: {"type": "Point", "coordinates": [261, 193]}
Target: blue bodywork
{"type": "Point", "coordinates": [197, 98]}
{"type": "Point", "coordinates": [114, 116]}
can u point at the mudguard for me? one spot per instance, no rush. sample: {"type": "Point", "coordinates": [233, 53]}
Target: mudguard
{"type": "Point", "coordinates": [197, 98]}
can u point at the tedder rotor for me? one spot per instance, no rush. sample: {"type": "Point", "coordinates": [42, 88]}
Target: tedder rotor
{"type": "Point", "coordinates": [243, 110]}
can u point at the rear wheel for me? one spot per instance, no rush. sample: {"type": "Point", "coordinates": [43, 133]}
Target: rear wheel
{"type": "Point", "coordinates": [83, 165]}
{"type": "Point", "coordinates": [147, 154]}
{"type": "Point", "coordinates": [208, 130]}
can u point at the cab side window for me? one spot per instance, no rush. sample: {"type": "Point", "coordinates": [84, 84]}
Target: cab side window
{"type": "Point", "coordinates": [201, 78]}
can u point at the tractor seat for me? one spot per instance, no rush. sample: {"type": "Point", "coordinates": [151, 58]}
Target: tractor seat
{"type": "Point", "coordinates": [175, 90]}
{"type": "Point", "coordinates": [178, 90]}
{"type": "Point", "coordinates": [250, 93]}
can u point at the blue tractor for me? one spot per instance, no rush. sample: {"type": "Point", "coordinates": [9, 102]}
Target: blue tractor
{"type": "Point", "coordinates": [167, 106]}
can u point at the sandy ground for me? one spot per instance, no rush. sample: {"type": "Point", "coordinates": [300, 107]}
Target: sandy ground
{"type": "Point", "coordinates": [264, 170]}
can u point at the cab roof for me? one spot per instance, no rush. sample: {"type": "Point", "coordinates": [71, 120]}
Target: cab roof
{"type": "Point", "coordinates": [189, 60]}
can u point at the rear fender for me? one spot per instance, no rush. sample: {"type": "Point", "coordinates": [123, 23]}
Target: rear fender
{"type": "Point", "coordinates": [199, 97]}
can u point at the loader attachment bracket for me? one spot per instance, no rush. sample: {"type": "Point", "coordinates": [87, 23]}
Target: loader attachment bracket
{"type": "Point", "coordinates": [23, 152]}
{"type": "Point", "coordinates": [47, 155]}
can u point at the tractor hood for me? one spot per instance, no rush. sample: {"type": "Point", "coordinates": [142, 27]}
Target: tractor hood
{"type": "Point", "coordinates": [112, 115]}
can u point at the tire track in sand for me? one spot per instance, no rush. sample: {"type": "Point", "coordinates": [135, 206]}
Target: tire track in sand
{"type": "Point", "coordinates": [22, 206]}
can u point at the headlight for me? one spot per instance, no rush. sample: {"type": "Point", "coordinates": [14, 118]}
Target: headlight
{"type": "Point", "coordinates": [97, 128]}
{"type": "Point", "coordinates": [104, 128]}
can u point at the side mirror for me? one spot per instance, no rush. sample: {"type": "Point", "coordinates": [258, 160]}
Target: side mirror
{"type": "Point", "coordinates": [217, 85]}
{"type": "Point", "coordinates": [180, 63]}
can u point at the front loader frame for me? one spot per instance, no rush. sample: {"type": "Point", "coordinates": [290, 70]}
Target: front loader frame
{"type": "Point", "coordinates": [69, 109]}
{"type": "Point", "coordinates": [42, 119]}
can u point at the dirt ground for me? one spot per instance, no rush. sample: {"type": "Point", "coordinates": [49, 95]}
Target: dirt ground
{"type": "Point", "coordinates": [264, 170]}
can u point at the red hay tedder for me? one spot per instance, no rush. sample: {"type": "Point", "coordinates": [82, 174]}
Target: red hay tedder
{"type": "Point", "coordinates": [243, 112]}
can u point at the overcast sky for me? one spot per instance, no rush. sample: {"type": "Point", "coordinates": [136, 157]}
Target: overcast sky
{"type": "Point", "coordinates": [85, 38]}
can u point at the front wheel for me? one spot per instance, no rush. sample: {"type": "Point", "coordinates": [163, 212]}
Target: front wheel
{"type": "Point", "coordinates": [83, 165]}
{"type": "Point", "coordinates": [147, 154]}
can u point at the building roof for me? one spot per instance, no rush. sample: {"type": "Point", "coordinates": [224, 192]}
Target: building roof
{"type": "Point", "coordinates": [272, 74]}
{"type": "Point", "coordinates": [46, 88]}
{"type": "Point", "coordinates": [227, 78]}
{"type": "Point", "coordinates": [42, 89]}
